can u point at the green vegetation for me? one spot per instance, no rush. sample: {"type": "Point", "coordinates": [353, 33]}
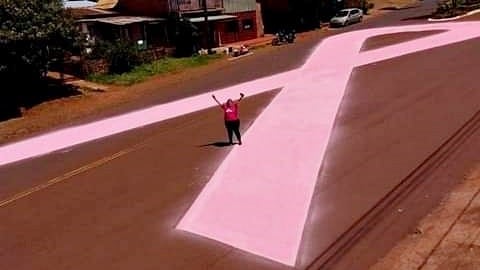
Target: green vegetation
{"type": "Point", "coordinates": [144, 71]}
{"type": "Point", "coordinates": [452, 8]}
{"type": "Point", "coordinates": [122, 56]}
{"type": "Point", "coordinates": [34, 35]}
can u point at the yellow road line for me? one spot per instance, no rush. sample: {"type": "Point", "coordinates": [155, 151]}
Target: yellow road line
{"type": "Point", "coordinates": [68, 175]}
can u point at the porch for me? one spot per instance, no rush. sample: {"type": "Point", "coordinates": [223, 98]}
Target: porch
{"type": "Point", "coordinates": [146, 32]}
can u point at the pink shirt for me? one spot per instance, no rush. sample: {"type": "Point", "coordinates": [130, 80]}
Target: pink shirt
{"type": "Point", "coordinates": [230, 113]}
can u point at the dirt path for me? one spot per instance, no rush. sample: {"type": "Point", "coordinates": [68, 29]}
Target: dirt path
{"type": "Point", "coordinates": [448, 238]}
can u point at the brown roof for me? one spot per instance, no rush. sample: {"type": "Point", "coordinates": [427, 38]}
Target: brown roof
{"type": "Point", "coordinates": [107, 4]}
{"type": "Point", "coordinates": [123, 20]}
{"type": "Point", "coordinates": [83, 13]}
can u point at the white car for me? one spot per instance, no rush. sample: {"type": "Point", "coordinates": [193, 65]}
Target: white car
{"type": "Point", "coordinates": [347, 16]}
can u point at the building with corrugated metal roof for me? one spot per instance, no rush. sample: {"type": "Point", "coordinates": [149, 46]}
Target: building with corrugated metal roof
{"type": "Point", "coordinates": [78, 4]}
{"type": "Point", "coordinates": [104, 21]}
{"type": "Point", "coordinates": [247, 24]}
{"type": "Point", "coordinates": [152, 22]}
{"type": "Point", "coordinates": [229, 20]}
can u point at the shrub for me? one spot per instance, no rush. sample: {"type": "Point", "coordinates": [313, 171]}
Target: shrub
{"type": "Point", "coordinates": [121, 56]}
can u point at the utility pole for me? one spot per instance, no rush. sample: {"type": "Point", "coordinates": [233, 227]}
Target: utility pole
{"type": "Point", "coordinates": [207, 26]}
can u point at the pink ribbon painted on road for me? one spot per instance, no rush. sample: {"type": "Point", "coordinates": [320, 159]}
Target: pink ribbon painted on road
{"type": "Point", "coordinates": [258, 199]}
{"type": "Point", "coordinates": [65, 138]}
{"type": "Point", "coordinates": [69, 137]}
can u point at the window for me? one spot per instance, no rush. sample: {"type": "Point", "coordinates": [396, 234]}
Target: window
{"type": "Point", "coordinates": [247, 24]}
{"type": "Point", "coordinates": [353, 12]}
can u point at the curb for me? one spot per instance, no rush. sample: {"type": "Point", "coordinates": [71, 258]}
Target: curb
{"type": "Point", "coordinates": [240, 57]}
{"type": "Point", "coordinates": [455, 18]}
{"type": "Point", "coordinates": [396, 8]}
{"type": "Point", "coordinates": [260, 44]}
{"type": "Point", "coordinates": [87, 86]}
{"type": "Point", "coordinates": [82, 85]}
{"type": "Point", "coordinates": [251, 44]}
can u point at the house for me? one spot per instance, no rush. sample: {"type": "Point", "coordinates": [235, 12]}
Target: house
{"type": "Point", "coordinates": [103, 22]}
{"type": "Point", "coordinates": [162, 8]}
{"type": "Point", "coordinates": [228, 20]}
{"type": "Point", "coordinates": [245, 25]}
{"type": "Point", "coordinates": [144, 31]}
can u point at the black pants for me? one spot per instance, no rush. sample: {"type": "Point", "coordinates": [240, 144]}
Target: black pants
{"type": "Point", "coordinates": [233, 127]}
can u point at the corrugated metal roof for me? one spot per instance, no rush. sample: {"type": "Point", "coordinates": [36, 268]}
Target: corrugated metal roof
{"type": "Point", "coordinates": [211, 18]}
{"type": "Point", "coordinates": [234, 6]}
{"type": "Point", "coordinates": [106, 4]}
{"type": "Point", "coordinates": [83, 13]}
{"type": "Point", "coordinates": [123, 20]}
{"type": "Point", "coordinates": [78, 4]}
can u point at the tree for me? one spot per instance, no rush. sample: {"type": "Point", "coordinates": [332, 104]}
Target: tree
{"type": "Point", "coordinates": [33, 34]}
{"type": "Point", "coordinates": [186, 38]}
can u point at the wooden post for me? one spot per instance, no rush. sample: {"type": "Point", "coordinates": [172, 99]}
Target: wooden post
{"type": "Point", "coordinates": [207, 26]}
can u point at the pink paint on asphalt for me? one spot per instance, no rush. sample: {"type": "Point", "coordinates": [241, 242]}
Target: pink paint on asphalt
{"type": "Point", "coordinates": [457, 32]}
{"type": "Point", "coordinates": [258, 199]}
{"type": "Point", "coordinates": [65, 138]}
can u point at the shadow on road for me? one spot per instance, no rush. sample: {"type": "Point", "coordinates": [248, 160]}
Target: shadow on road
{"type": "Point", "coordinates": [420, 17]}
{"type": "Point", "coordinates": [216, 144]}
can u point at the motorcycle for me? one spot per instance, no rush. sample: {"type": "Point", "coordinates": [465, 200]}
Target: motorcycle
{"type": "Point", "coordinates": [283, 37]}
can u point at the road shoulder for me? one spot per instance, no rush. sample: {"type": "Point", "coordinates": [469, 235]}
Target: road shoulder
{"type": "Point", "coordinates": [448, 238]}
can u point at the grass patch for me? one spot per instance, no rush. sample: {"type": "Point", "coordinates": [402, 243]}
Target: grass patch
{"type": "Point", "coordinates": [163, 66]}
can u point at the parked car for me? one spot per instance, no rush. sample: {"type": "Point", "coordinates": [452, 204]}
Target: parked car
{"type": "Point", "coordinates": [347, 16]}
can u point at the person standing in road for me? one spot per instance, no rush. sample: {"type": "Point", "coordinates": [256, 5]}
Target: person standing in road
{"type": "Point", "coordinates": [232, 121]}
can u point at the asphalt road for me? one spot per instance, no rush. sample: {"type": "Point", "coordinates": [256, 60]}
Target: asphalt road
{"type": "Point", "coordinates": [120, 212]}
{"type": "Point", "coordinates": [264, 63]}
